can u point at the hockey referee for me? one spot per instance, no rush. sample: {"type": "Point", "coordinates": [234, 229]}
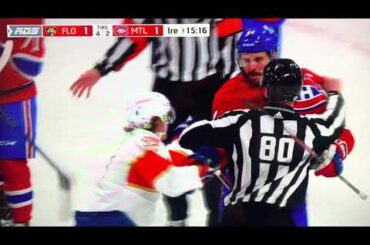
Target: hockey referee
{"type": "Point", "coordinates": [269, 169]}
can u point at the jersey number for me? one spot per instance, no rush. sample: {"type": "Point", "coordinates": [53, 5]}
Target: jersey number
{"type": "Point", "coordinates": [284, 149]}
{"type": "Point", "coordinates": [33, 42]}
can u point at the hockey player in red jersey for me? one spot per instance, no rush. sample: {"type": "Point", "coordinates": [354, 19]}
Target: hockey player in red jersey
{"type": "Point", "coordinates": [255, 49]}
{"type": "Point", "coordinates": [21, 62]}
{"type": "Point", "coordinates": [144, 167]}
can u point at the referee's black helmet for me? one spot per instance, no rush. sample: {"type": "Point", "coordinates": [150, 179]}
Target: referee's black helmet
{"type": "Point", "coordinates": [283, 80]}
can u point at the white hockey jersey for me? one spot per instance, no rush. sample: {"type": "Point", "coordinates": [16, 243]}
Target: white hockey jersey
{"type": "Point", "coordinates": [143, 168]}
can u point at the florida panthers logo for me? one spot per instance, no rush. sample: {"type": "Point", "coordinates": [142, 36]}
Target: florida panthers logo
{"type": "Point", "coordinates": [51, 31]}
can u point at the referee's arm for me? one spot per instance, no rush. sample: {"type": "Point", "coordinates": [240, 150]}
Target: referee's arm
{"type": "Point", "coordinates": [330, 124]}
{"type": "Point", "coordinates": [123, 50]}
{"type": "Point", "coordinates": [218, 133]}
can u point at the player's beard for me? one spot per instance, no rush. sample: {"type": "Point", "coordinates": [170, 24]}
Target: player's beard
{"type": "Point", "coordinates": [253, 78]}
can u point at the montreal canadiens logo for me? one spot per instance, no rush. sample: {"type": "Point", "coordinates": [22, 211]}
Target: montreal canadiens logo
{"type": "Point", "coordinates": [343, 146]}
{"type": "Point", "coordinates": [119, 30]}
{"type": "Point", "coordinates": [311, 100]}
{"type": "Point", "coordinates": [309, 92]}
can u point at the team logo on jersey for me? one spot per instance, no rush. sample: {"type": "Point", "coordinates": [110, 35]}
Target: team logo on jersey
{"type": "Point", "coordinates": [309, 92]}
{"type": "Point", "coordinates": [343, 147]}
{"type": "Point", "coordinates": [51, 31]}
{"type": "Point", "coordinates": [150, 143]}
{"type": "Point", "coordinates": [310, 99]}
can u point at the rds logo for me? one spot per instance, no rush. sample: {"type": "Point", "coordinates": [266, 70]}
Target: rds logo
{"type": "Point", "coordinates": [24, 31]}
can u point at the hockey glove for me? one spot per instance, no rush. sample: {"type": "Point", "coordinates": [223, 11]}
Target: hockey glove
{"type": "Point", "coordinates": [329, 164]}
{"type": "Point", "coordinates": [210, 156]}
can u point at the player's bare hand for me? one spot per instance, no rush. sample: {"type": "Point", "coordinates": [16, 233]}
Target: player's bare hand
{"type": "Point", "coordinates": [332, 84]}
{"type": "Point", "coordinates": [85, 83]}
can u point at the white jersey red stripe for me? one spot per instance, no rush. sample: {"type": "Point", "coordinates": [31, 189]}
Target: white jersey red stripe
{"type": "Point", "coordinates": [142, 168]}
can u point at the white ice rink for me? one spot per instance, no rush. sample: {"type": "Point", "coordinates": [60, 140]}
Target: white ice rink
{"type": "Point", "coordinates": [82, 134]}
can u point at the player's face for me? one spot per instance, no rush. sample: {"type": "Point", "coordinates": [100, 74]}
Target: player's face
{"type": "Point", "coordinates": [160, 128]}
{"type": "Point", "coordinates": [162, 131]}
{"type": "Point", "coordinates": [253, 65]}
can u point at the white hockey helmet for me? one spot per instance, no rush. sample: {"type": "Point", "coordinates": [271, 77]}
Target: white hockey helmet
{"type": "Point", "coordinates": [143, 107]}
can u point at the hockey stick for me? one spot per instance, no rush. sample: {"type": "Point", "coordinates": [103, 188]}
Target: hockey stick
{"type": "Point", "coordinates": [313, 154]}
{"type": "Point", "coordinates": [362, 195]}
{"type": "Point", "coordinates": [63, 179]}
{"type": "Point", "coordinates": [224, 180]}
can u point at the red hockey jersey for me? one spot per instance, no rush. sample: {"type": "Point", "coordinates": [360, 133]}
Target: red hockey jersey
{"type": "Point", "coordinates": [237, 92]}
{"type": "Point", "coordinates": [23, 64]}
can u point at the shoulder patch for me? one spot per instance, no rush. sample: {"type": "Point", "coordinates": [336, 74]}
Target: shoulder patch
{"type": "Point", "coordinates": [150, 143]}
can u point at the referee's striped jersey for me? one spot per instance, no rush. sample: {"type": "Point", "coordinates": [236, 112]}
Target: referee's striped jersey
{"type": "Point", "coordinates": [266, 164]}
{"type": "Point", "coordinates": [176, 58]}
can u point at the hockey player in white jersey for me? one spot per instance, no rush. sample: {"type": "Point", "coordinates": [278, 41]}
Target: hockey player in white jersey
{"type": "Point", "coordinates": [143, 168]}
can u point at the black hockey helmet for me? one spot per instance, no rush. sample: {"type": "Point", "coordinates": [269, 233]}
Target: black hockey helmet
{"type": "Point", "coordinates": [283, 80]}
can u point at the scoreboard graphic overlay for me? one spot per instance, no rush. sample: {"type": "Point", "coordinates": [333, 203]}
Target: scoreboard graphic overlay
{"type": "Point", "coordinates": [165, 30]}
